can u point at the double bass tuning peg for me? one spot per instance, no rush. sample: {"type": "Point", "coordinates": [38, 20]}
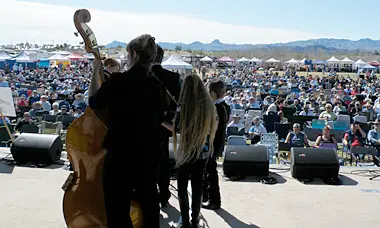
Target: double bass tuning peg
{"type": "Point", "coordinates": [76, 34]}
{"type": "Point", "coordinates": [81, 43]}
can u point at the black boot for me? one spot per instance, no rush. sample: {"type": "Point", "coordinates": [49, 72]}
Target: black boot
{"type": "Point", "coordinates": [211, 206]}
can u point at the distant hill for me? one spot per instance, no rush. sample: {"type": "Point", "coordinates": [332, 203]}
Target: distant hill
{"type": "Point", "coordinates": [115, 44]}
{"type": "Point", "coordinates": [217, 45]}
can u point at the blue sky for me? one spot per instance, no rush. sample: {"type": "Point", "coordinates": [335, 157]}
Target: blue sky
{"type": "Point", "coordinates": [323, 18]}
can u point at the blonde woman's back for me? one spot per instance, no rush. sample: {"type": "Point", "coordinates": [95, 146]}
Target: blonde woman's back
{"type": "Point", "coordinates": [195, 121]}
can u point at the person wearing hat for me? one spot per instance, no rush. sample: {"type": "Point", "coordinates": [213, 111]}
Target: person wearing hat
{"type": "Point", "coordinates": [236, 127]}
{"type": "Point", "coordinates": [235, 104]}
{"type": "Point", "coordinates": [63, 111]}
{"type": "Point", "coordinates": [256, 130]}
{"type": "Point", "coordinates": [34, 97]}
{"type": "Point", "coordinates": [80, 101]}
{"type": "Point", "coordinates": [374, 139]}
{"type": "Point", "coordinates": [78, 112]}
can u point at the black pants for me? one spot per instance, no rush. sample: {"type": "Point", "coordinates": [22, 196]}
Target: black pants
{"type": "Point", "coordinates": [119, 182]}
{"type": "Point", "coordinates": [164, 171]}
{"type": "Point", "coordinates": [194, 172]}
{"type": "Point", "coordinates": [211, 189]}
{"type": "Point", "coordinates": [255, 139]}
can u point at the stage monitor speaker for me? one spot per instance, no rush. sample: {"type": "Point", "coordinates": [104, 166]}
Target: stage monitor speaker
{"type": "Point", "coordinates": [246, 160]}
{"type": "Point", "coordinates": [37, 148]}
{"type": "Point", "coordinates": [314, 163]}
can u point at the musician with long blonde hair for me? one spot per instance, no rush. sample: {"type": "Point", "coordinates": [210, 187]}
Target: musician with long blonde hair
{"type": "Point", "coordinates": [196, 123]}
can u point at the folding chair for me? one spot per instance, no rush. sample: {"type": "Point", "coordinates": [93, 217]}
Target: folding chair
{"type": "Point", "coordinates": [236, 140]}
{"type": "Point", "coordinates": [318, 124]}
{"type": "Point", "coordinates": [360, 119]}
{"type": "Point", "coordinates": [363, 151]}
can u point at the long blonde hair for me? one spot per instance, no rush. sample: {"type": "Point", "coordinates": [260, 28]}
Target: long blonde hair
{"type": "Point", "coordinates": [197, 120]}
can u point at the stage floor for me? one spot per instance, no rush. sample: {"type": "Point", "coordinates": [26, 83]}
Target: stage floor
{"type": "Point", "coordinates": [32, 198]}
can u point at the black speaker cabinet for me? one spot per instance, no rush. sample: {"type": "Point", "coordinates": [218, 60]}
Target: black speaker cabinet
{"type": "Point", "coordinates": [314, 163]}
{"type": "Point", "coordinates": [246, 160]}
{"type": "Point", "coordinates": [37, 148]}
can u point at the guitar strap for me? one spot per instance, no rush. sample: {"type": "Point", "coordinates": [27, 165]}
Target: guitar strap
{"type": "Point", "coordinates": [166, 89]}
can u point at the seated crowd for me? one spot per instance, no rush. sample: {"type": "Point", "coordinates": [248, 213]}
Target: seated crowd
{"type": "Point", "coordinates": [267, 102]}
{"type": "Point", "coordinates": [43, 93]}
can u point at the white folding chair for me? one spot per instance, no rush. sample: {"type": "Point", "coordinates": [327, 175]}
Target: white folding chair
{"type": "Point", "coordinates": [253, 113]}
{"type": "Point", "coordinates": [360, 119]}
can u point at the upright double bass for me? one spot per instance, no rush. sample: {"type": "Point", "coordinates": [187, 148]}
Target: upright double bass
{"type": "Point", "coordinates": [83, 202]}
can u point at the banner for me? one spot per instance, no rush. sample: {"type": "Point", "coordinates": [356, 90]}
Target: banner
{"type": "Point", "coordinates": [7, 106]}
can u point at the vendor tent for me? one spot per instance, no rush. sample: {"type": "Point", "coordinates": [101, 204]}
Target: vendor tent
{"type": "Point", "coordinates": [272, 60]}
{"type": "Point", "coordinates": [206, 59]}
{"type": "Point", "coordinates": [243, 60]}
{"type": "Point", "coordinates": [226, 59]}
{"type": "Point", "coordinates": [367, 67]}
{"type": "Point", "coordinates": [292, 61]}
{"type": "Point", "coordinates": [359, 64]}
{"type": "Point", "coordinates": [41, 63]}
{"type": "Point", "coordinates": [23, 58]}
{"type": "Point", "coordinates": [58, 57]}
{"type": "Point", "coordinates": [346, 61]}
{"type": "Point", "coordinates": [4, 56]}
{"type": "Point", "coordinates": [256, 60]}
{"type": "Point", "coordinates": [174, 62]}
{"type": "Point", "coordinates": [332, 60]}
{"type": "Point", "coordinates": [302, 61]}
{"type": "Point", "coordinates": [76, 57]}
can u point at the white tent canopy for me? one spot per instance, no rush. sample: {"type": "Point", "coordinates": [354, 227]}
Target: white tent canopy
{"type": "Point", "coordinates": [174, 62]}
{"type": "Point", "coordinates": [302, 61]}
{"type": "Point", "coordinates": [61, 52]}
{"type": "Point", "coordinates": [243, 60]}
{"type": "Point", "coordinates": [368, 67]}
{"type": "Point", "coordinates": [58, 57]}
{"type": "Point", "coordinates": [255, 60]}
{"type": "Point", "coordinates": [22, 58]}
{"type": "Point", "coordinates": [292, 61]}
{"type": "Point", "coordinates": [347, 61]}
{"type": "Point", "coordinates": [333, 60]}
{"type": "Point", "coordinates": [272, 60]}
{"type": "Point", "coordinates": [206, 59]}
{"type": "Point", "coordinates": [360, 62]}
{"type": "Point", "coordinates": [89, 56]}
{"type": "Point", "coordinates": [4, 56]}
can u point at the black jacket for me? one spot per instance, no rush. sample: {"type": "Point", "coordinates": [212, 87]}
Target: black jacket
{"type": "Point", "coordinates": [135, 108]}
{"type": "Point", "coordinates": [172, 82]}
{"type": "Point", "coordinates": [223, 110]}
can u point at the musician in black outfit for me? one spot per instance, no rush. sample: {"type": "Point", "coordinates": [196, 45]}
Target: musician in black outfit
{"type": "Point", "coordinates": [131, 161]}
{"type": "Point", "coordinates": [171, 81]}
{"type": "Point", "coordinates": [211, 191]}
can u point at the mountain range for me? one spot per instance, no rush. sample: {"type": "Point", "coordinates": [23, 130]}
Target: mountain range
{"type": "Point", "coordinates": [324, 43]}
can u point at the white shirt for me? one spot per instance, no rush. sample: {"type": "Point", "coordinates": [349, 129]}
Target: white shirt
{"type": "Point", "coordinates": [239, 125]}
{"type": "Point", "coordinates": [309, 113]}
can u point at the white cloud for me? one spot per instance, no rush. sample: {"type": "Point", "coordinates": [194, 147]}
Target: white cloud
{"type": "Point", "coordinates": [34, 22]}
